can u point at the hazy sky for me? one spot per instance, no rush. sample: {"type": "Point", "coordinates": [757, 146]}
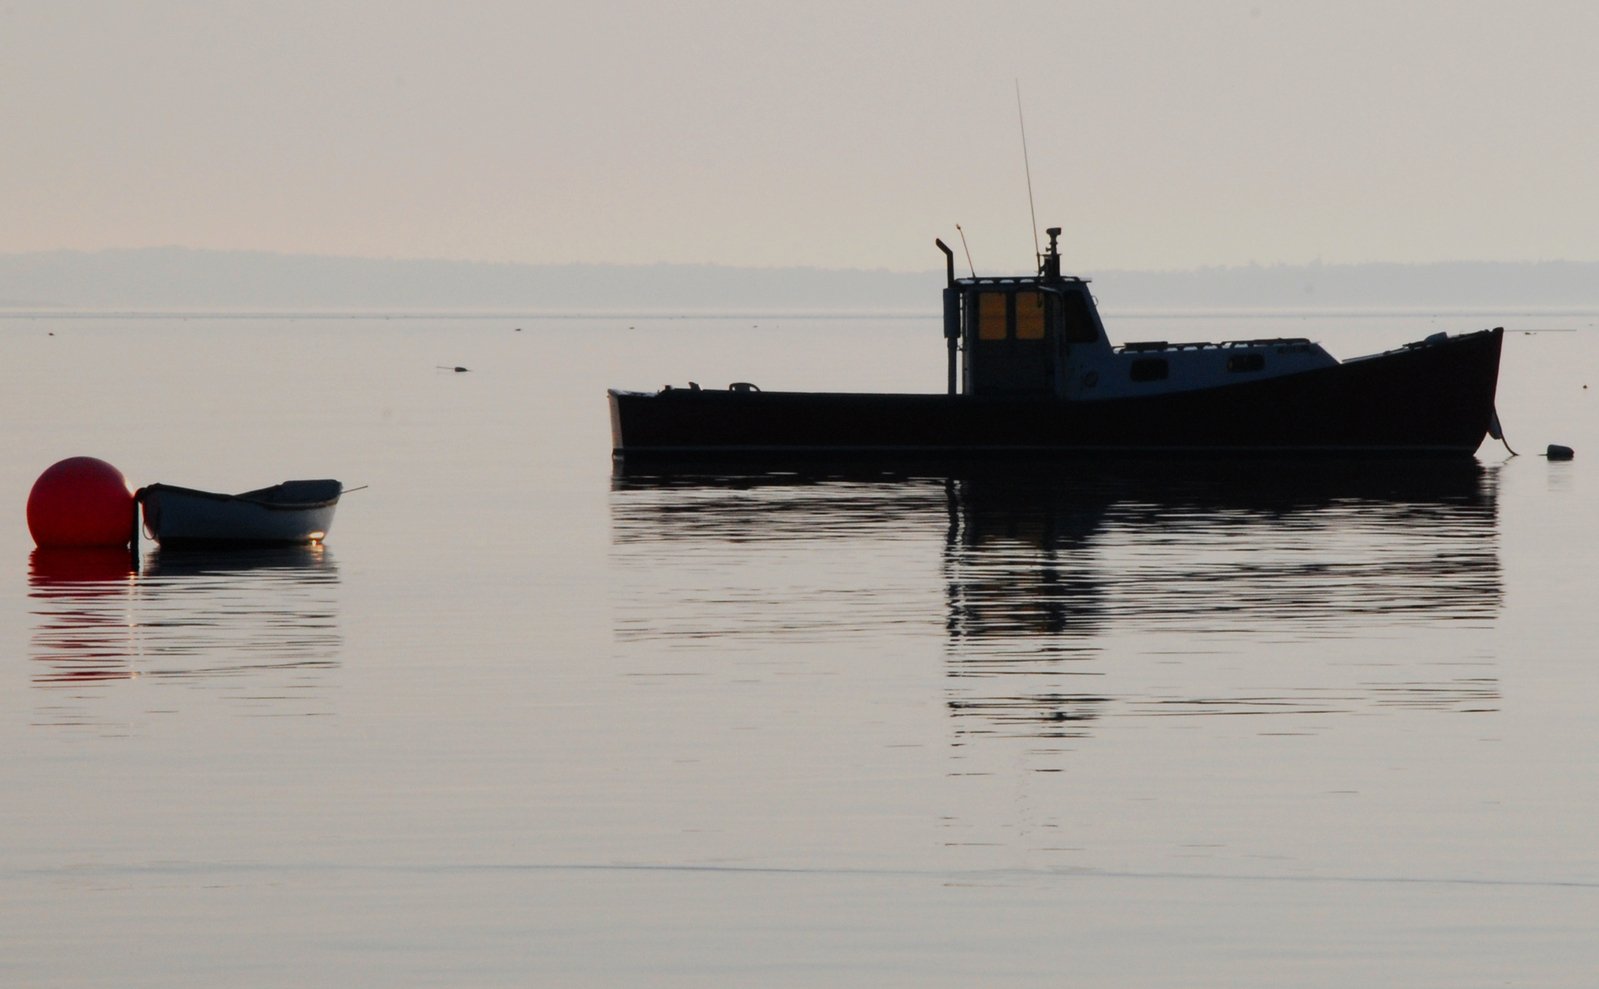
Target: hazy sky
{"type": "Point", "coordinates": [1162, 134]}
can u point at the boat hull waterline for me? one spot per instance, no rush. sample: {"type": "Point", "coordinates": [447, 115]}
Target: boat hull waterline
{"type": "Point", "coordinates": [1435, 397]}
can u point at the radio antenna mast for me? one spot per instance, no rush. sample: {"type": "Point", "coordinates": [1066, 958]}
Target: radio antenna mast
{"type": "Point", "coordinates": [968, 250]}
{"type": "Point", "coordinates": [1027, 166]}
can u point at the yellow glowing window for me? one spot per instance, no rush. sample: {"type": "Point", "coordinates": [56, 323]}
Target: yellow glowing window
{"type": "Point", "coordinates": [991, 316]}
{"type": "Point", "coordinates": [1029, 315]}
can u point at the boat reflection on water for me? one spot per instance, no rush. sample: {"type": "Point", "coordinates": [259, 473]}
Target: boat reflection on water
{"type": "Point", "coordinates": [80, 598]}
{"type": "Point", "coordinates": [258, 623]}
{"type": "Point", "coordinates": [1054, 580]}
{"type": "Point", "coordinates": [1260, 562]}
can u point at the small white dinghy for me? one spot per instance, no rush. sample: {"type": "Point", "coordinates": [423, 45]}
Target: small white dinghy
{"type": "Point", "coordinates": [284, 514]}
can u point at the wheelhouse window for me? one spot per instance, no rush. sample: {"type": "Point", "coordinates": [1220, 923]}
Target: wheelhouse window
{"type": "Point", "coordinates": [1149, 369]}
{"type": "Point", "coordinates": [1246, 362]}
{"type": "Point", "coordinates": [1029, 315]}
{"type": "Point", "coordinates": [991, 316]}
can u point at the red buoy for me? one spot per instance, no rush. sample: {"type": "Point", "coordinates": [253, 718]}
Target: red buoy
{"type": "Point", "coordinates": [81, 501]}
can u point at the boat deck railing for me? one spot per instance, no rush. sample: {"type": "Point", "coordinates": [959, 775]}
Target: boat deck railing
{"type": "Point", "coordinates": [981, 281]}
{"type": "Point", "coordinates": [1146, 346]}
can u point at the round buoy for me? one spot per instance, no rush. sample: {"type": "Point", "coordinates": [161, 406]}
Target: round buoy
{"type": "Point", "coordinates": [80, 501]}
{"type": "Point", "coordinates": [1558, 452]}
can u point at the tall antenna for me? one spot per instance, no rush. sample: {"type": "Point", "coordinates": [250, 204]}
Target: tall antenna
{"type": "Point", "coordinates": [1037, 255]}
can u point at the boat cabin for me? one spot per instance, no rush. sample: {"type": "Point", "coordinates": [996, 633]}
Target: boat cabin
{"type": "Point", "coordinates": [1042, 336]}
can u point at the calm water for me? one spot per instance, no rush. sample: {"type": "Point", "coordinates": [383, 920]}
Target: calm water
{"type": "Point", "coordinates": [524, 721]}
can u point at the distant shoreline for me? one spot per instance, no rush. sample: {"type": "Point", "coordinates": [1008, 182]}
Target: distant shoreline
{"type": "Point", "coordinates": [184, 282]}
{"type": "Point", "coordinates": [1568, 312]}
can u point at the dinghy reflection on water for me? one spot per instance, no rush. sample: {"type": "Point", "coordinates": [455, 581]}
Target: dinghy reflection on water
{"type": "Point", "coordinates": [1032, 373]}
{"type": "Point", "coordinates": [256, 626]}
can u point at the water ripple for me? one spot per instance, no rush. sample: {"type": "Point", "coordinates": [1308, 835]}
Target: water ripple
{"type": "Point", "coordinates": [261, 625]}
{"type": "Point", "coordinates": [1037, 578]}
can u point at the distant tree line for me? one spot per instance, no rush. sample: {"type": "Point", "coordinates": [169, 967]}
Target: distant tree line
{"type": "Point", "coordinates": [185, 279]}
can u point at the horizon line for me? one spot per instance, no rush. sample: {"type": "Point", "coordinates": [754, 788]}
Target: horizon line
{"type": "Point", "coordinates": [1195, 267]}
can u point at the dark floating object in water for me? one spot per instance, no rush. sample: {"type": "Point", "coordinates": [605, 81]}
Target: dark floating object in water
{"type": "Point", "coordinates": [1558, 452]}
{"type": "Point", "coordinates": [1031, 373]}
{"type": "Point", "coordinates": [456, 368]}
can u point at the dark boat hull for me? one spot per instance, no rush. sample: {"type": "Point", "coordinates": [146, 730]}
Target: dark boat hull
{"type": "Point", "coordinates": [1432, 398]}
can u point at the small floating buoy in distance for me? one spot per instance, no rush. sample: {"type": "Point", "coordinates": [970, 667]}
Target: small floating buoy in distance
{"type": "Point", "coordinates": [1558, 452]}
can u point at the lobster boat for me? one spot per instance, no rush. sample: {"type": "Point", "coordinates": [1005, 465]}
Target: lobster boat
{"type": "Point", "coordinates": [1032, 373]}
